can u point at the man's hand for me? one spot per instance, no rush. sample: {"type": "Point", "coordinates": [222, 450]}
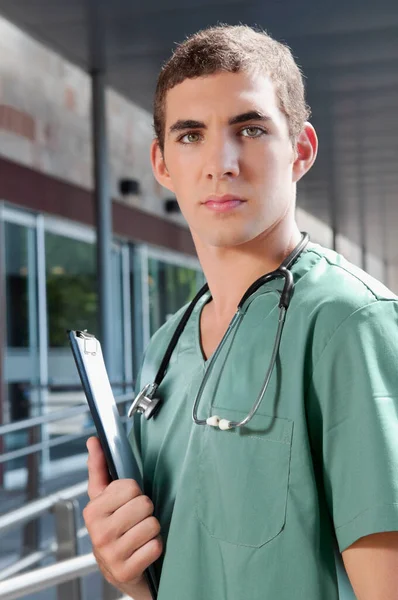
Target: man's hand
{"type": "Point", "coordinates": [124, 532]}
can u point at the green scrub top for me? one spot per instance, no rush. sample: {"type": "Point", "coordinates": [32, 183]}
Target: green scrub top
{"type": "Point", "coordinates": [262, 512]}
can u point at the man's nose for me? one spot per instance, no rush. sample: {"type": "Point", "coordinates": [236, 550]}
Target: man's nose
{"type": "Point", "coordinates": [222, 159]}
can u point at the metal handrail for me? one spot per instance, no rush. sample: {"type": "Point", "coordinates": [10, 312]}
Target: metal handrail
{"type": "Point", "coordinates": [59, 440]}
{"type": "Point", "coordinates": [45, 577]}
{"type": "Point", "coordinates": [33, 448]}
{"type": "Point", "coordinates": [68, 387]}
{"type": "Point", "coordinates": [12, 583]}
{"type": "Point", "coordinates": [35, 557]}
{"type": "Point", "coordinates": [27, 561]}
{"type": "Point", "coordinates": [55, 416]}
{"type": "Point", "coordinates": [34, 510]}
{"type": "Point", "coordinates": [38, 507]}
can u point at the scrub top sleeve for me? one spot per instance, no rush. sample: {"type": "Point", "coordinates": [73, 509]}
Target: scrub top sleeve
{"type": "Point", "coordinates": [353, 420]}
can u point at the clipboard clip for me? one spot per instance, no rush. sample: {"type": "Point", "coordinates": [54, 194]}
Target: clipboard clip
{"type": "Point", "coordinates": [90, 342]}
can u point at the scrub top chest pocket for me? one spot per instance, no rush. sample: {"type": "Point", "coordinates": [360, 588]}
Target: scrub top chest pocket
{"type": "Point", "coordinates": [243, 479]}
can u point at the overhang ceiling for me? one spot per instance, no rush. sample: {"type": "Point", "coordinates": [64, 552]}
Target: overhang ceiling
{"type": "Point", "coordinates": [347, 49]}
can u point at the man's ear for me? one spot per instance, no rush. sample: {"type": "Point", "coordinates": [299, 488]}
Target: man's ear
{"type": "Point", "coordinates": [159, 166]}
{"type": "Point", "coordinates": [305, 151]}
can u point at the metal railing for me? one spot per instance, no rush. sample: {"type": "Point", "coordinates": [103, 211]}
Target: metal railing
{"type": "Point", "coordinates": [56, 415]}
{"type": "Point", "coordinates": [67, 573]}
{"type": "Point", "coordinates": [59, 574]}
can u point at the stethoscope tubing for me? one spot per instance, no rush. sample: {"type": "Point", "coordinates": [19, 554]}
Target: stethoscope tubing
{"type": "Point", "coordinates": [235, 323]}
{"type": "Point", "coordinates": [255, 407]}
{"type": "Point", "coordinates": [145, 398]}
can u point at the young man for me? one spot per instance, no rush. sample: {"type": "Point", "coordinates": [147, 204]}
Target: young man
{"type": "Point", "coordinates": [306, 491]}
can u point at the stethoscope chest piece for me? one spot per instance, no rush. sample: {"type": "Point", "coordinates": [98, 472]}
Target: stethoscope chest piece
{"type": "Point", "coordinates": [145, 403]}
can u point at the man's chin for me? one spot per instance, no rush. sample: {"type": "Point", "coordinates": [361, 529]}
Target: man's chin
{"type": "Point", "coordinates": [226, 240]}
{"type": "Point", "coordinates": [226, 236]}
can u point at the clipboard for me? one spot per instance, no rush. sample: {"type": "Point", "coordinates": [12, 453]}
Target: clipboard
{"type": "Point", "coordinates": [87, 353]}
{"type": "Point", "coordinates": [122, 464]}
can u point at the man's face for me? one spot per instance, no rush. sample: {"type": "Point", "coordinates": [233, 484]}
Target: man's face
{"type": "Point", "coordinates": [228, 157]}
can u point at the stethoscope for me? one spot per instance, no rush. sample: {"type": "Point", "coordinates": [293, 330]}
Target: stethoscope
{"type": "Point", "coordinates": [146, 403]}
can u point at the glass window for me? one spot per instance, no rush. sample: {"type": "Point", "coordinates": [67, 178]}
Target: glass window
{"type": "Point", "coordinates": [21, 356]}
{"type": "Point", "coordinates": [16, 259]}
{"type": "Point", "coordinates": [71, 283]}
{"type": "Point", "coordinates": [71, 286]}
{"type": "Point", "coordinates": [170, 287]}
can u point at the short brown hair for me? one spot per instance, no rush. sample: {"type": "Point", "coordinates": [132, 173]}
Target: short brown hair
{"type": "Point", "coordinates": [234, 48]}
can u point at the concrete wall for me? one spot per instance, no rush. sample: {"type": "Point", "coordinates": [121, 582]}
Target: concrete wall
{"type": "Point", "coordinates": [45, 121]}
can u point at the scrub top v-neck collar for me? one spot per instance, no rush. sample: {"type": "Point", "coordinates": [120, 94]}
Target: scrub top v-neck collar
{"type": "Point", "coordinates": [206, 298]}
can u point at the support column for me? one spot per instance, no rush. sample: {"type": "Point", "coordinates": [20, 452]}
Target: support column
{"type": "Point", "coordinates": [333, 197]}
{"type": "Point", "coordinates": [362, 192]}
{"type": "Point", "coordinates": [384, 231]}
{"type": "Point", "coordinates": [3, 340]}
{"type": "Point", "coordinates": [103, 202]}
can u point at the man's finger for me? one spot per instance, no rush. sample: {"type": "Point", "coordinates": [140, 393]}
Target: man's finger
{"type": "Point", "coordinates": [98, 475]}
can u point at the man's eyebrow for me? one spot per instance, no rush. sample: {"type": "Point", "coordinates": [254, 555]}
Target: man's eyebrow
{"type": "Point", "coordinates": [251, 115]}
{"type": "Point", "coordinates": [183, 124]}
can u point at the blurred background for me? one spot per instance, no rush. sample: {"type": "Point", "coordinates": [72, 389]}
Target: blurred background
{"type": "Point", "coordinates": [88, 239]}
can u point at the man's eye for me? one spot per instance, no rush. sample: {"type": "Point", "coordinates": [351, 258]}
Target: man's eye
{"type": "Point", "coordinates": [252, 132]}
{"type": "Point", "coordinates": [190, 138]}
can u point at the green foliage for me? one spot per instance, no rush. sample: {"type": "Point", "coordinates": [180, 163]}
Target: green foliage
{"type": "Point", "coordinates": [72, 304]}
{"type": "Point", "coordinates": [71, 287]}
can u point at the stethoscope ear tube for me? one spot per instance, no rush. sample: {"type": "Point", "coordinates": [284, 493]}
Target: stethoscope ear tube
{"type": "Point", "coordinates": [176, 336]}
{"type": "Point", "coordinates": [282, 271]}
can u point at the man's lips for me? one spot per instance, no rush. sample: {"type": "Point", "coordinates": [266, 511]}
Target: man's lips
{"type": "Point", "coordinates": [223, 203]}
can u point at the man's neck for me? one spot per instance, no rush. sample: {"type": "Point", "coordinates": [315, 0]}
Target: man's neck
{"type": "Point", "coordinates": [230, 271]}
